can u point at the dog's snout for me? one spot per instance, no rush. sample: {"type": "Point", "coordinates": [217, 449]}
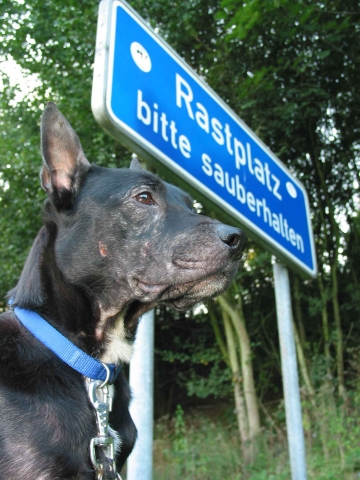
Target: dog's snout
{"type": "Point", "coordinates": [232, 237]}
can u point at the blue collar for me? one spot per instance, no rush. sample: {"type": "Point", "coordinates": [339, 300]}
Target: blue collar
{"type": "Point", "coordinates": [64, 349]}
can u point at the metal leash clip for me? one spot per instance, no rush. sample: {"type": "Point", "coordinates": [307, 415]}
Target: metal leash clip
{"type": "Point", "coordinates": [101, 399]}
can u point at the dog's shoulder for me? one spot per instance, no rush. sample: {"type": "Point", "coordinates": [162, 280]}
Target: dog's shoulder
{"type": "Point", "coordinates": [10, 333]}
{"type": "Point", "coordinates": [35, 384]}
{"type": "Point", "coordinates": [27, 363]}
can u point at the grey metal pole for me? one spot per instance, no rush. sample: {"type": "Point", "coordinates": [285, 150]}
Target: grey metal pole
{"type": "Point", "coordinates": [140, 462]}
{"type": "Point", "coordinates": [290, 376]}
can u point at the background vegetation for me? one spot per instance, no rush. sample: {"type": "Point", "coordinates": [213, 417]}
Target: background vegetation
{"type": "Point", "coordinates": [291, 71]}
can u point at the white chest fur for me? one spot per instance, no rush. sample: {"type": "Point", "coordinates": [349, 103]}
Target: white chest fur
{"type": "Point", "coordinates": [118, 348]}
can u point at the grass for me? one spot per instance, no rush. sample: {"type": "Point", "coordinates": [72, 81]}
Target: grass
{"type": "Point", "coordinates": [195, 447]}
{"type": "Point", "coordinates": [199, 446]}
{"type": "Point", "coordinates": [206, 448]}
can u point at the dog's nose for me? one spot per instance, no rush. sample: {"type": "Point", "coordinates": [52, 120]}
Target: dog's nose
{"type": "Point", "coordinates": [233, 237]}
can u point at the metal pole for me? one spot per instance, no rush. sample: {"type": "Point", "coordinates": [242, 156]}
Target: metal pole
{"type": "Point", "coordinates": [140, 462]}
{"type": "Point", "coordinates": [294, 426]}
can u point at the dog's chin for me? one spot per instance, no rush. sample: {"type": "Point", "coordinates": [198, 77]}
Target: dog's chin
{"type": "Point", "coordinates": [180, 296]}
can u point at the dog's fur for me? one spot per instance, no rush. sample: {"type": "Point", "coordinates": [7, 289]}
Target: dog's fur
{"type": "Point", "coordinates": [114, 244]}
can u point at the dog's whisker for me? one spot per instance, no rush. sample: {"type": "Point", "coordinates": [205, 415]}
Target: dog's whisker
{"type": "Point", "coordinates": [97, 281]}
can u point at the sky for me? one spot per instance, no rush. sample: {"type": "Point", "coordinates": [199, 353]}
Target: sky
{"type": "Point", "coordinates": [26, 83]}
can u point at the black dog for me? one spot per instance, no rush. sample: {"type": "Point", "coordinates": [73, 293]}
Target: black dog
{"type": "Point", "coordinates": [115, 243]}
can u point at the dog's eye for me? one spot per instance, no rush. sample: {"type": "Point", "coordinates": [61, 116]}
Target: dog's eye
{"type": "Point", "coordinates": [145, 198]}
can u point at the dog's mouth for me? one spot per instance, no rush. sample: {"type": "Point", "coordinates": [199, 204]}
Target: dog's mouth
{"type": "Point", "coordinates": [149, 288]}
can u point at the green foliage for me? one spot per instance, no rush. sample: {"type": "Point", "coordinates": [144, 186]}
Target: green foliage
{"type": "Point", "coordinates": [20, 194]}
{"type": "Point", "coordinates": [209, 450]}
{"type": "Point", "coordinates": [180, 442]}
{"type": "Point", "coordinates": [333, 433]}
{"type": "Point", "coordinates": [210, 447]}
{"type": "Point", "coordinates": [216, 384]}
{"type": "Point", "coordinates": [187, 344]}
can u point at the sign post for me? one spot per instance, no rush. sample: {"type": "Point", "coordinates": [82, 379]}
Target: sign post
{"type": "Point", "coordinates": [139, 464]}
{"type": "Point", "coordinates": [146, 96]}
{"type": "Point", "coordinates": [290, 376]}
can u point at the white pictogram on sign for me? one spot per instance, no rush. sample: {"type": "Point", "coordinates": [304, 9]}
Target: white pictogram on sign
{"type": "Point", "coordinates": [140, 57]}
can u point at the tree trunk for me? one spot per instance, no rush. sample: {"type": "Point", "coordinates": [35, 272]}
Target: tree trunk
{"type": "Point", "coordinates": [303, 366]}
{"type": "Point", "coordinates": [219, 338]}
{"type": "Point", "coordinates": [325, 324]}
{"type": "Point", "coordinates": [238, 395]}
{"type": "Point", "coordinates": [237, 318]}
{"type": "Point", "coordinates": [298, 311]}
{"type": "Point", "coordinates": [339, 335]}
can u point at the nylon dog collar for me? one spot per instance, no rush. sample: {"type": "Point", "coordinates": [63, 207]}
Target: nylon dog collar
{"type": "Point", "coordinates": [64, 349]}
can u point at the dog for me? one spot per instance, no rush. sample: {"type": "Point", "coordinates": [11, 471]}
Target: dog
{"type": "Point", "coordinates": [114, 244]}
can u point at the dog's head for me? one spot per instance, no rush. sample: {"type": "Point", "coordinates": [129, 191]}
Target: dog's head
{"type": "Point", "coordinates": [128, 239]}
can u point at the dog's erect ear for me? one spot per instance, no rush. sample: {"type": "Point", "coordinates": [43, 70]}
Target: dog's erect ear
{"type": "Point", "coordinates": [65, 164]}
{"type": "Point", "coordinates": [135, 164]}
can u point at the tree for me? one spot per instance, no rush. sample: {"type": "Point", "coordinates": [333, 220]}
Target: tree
{"type": "Point", "coordinates": [302, 64]}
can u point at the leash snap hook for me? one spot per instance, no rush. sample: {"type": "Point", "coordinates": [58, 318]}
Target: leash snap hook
{"type": "Point", "coordinates": [100, 396]}
{"type": "Point", "coordinates": [108, 444]}
{"type": "Point", "coordinates": [108, 374]}
{"type": "Point", "coordinates": [101, 406]}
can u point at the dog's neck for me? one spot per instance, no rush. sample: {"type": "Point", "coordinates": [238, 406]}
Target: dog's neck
{"type": "Point", "coordinates": [42, 288]}
{"type": "Point", "coordinates": [103, 334]}
{"type": "Point", "coordinates": [111, 329]}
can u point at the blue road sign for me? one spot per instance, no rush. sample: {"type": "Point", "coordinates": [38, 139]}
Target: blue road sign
{"type": "Point", "coordinates": [148, 97]}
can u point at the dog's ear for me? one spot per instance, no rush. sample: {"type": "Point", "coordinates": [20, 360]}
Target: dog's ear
{"type": "Point", "coordinates": [64, 162]}
{"type": "Point", "coordinates": [135, 164]}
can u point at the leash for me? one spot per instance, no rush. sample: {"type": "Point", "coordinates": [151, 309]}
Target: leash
{"type": "Point", "coordinates": [101, 396]}
{"type": "Point", "coordinates": [99, 380]}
